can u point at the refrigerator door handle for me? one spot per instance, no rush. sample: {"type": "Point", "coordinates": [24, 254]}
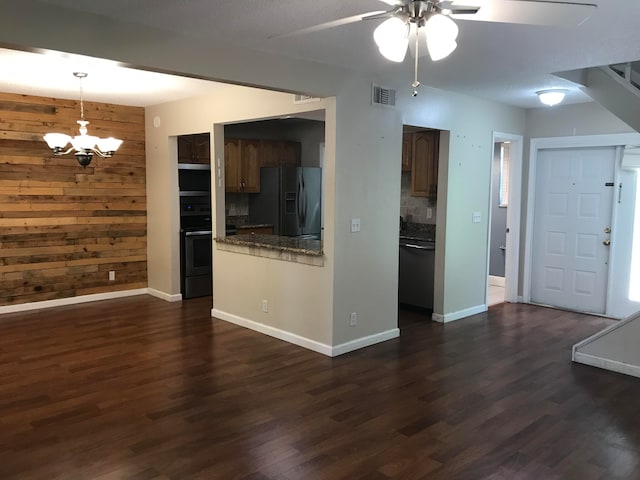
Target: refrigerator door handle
{"type": "Point", "coordinates": [303, 203]}
{"type": "Point", "coordinates": [299, 202]}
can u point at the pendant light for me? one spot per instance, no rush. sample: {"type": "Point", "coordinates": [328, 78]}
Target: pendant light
{"type": "Point", "coordinates": [85, 146]}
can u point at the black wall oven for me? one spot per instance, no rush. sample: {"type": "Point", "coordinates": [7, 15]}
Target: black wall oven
{"type": "Point", "coordinates": [195, 246]}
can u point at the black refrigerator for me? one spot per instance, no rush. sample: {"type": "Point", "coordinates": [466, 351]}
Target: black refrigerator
{"type": "Point", "coordinates": [289, 199]}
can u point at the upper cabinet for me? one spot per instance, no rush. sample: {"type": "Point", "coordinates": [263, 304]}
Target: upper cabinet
{"type": "Point", "coordinates": [424, 165]}
{"type": "Point", "coordinates": [243, 159]}
{"type": "Point", "coordinates": [276, 153]}
{"type": "Point", "coordinates": [240, 161]}
{"type": "Point", "coordinates": [194, 148]}
{"type": "Point", "coordinates": [407, 151]}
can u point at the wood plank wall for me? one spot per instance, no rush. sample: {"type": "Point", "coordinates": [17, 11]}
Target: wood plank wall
{"type": "Point", "coordinates": [62, 227]}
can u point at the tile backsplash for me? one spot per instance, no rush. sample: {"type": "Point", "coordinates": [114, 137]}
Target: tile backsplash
{"type": "Point", "coordinates": [415, 209]}
{"type": "Point", "coordinates": [237, 204]}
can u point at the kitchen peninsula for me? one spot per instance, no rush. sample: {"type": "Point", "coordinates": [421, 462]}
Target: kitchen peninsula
{"type": "Point", "coordinates": [291, 249]}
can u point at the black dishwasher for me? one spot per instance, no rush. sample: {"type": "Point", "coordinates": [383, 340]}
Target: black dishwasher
{"type": "Point", "coordinates": [416, 265]}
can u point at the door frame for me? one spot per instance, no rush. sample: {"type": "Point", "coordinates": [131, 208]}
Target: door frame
{"type": "Point", "coordinates": [512, 255]}
{"type": "Point", "coordinates": [543, 143]}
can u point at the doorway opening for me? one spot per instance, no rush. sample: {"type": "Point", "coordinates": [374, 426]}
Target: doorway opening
{"type": "Point", "coordinates": [417, 227]}
{"type": "Point", "coordinates": [504, 219]}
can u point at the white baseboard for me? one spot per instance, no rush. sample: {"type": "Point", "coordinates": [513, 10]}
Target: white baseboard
{"type": "Point", "coordinates": [496, 281]}
{"type": "Point", "coordinates": [359, 343]}
{"type": "Point", "coordinates": [305, 342]}
{"type": "Point", "coordinates": [273, 332]}
{"type": "Point", "coordinates": [58, 302]}
{"type": "Point", "coordinates": [606, 364]}
{"type": "Point", "coordinates": [450, 317]}
{"type": "Point", "coordinates": [167, 297]}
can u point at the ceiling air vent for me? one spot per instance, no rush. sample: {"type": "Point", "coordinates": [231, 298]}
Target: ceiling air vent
{"type": "Point", "coordinates": [300, 98]}
{"type": "Point", "coordinates": [383, 96]}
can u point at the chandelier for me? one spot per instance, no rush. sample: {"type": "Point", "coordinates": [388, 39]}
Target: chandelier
{"type": "Point", "coordinates": [85, 146]}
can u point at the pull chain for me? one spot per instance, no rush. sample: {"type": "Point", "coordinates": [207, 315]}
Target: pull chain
{"type": "Point", "coordinates": [416, 83]}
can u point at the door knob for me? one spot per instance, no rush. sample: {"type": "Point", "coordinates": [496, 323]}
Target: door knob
{"type": "Point", "coordinates": [606, 242]}
{"type": "Point", "coordinates": [607, 230]}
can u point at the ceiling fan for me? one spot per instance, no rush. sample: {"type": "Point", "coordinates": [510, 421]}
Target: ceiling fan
{"type": "Point", "coordinates": [412, 22]}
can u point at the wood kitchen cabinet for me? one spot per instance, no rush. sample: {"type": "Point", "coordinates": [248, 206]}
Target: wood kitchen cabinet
{"type": "Point", "coordinates": [241, 165]}
{"type": "Point", "coordinates": [276, 153]}
{"type": "Point", "coordinates": [270, 153]}
{"type": "Point", "coordinates": [291, 156]}
{"type": "Point", "coordinates": [424, 165]}
{"type": "Point", "coordinates": [243, 159]}
{"type": "Point", "coordinates": [194, 148]}
{"type": "Point", "coordinates": [407, 151]}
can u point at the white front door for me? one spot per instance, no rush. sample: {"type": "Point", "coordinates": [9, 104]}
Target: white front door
{"type": "Point", "coordinates": [573, 204]}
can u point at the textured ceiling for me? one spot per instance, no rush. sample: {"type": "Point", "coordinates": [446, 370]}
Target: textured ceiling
{"type": "Point", "coordinates": [498, 61]}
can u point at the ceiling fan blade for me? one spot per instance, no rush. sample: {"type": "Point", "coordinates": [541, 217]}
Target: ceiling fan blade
{"type": "Point", "coordinates": [464, 10]}
{"type": "Point", "coordinates": [532, 12]}
{"type": "Point", "coordinates": [396, 3]}
{"type": "Point", "coordinates": [452, 8]}
{"type": "Point", "coordinates": [336, 23]}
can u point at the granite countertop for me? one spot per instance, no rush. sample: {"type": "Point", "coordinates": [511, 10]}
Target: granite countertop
{"type": "Point", "coordinates": [275, 242]}
{"type": "Point", "coordinates": [254, 225]}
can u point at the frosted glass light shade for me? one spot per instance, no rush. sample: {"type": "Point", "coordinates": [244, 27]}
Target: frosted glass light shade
{"type": "Point", "coordinates": [57, 140]}
{"type": "Point", "coordinates": [84, 142]}
{"type": "Point", "coordinates": [441, 36]}
{"type": "Point", "coordinates": [439, 49]}
{"type": "Point", "coordinates": [392, 38]}
{"type": "Point", "coordinates": [108, 144]}
{"type": "Point", "coordinates": [551, 97]}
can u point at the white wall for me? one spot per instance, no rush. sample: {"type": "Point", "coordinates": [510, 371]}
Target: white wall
{"type": "Point", "coordinates": [461, 246]}
{"type": "Point", "coordinates": [363, 146]}
{"type": "Point", "coordinates": [300, 296]}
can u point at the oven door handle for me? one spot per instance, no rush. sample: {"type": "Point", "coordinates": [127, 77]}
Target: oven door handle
{"type": "Point", "coordinates": [416, 247]}
{"type": "Point", "coordinates": [199, 232]}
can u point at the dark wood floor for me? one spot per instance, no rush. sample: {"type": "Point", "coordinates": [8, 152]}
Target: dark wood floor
{"type": "Point", "coordinates": [140, 389]}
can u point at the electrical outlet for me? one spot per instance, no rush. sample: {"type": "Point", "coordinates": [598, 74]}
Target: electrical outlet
{"type": "Point", "coordinates": [429, 212]}
{"type": "Point", "coordinates": [265, 306]}
{"type": "Point", "coordinates": [112, 275]}
{"type": "Point", "coordinates": [353, 321]}
{"type": "Point", "coordinates": [355, 225]}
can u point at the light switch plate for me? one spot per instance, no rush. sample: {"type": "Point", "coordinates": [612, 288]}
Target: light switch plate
{"type": "Point", "coordinates": [475, 218]}
{"type": "Point", "coordinates": [355, 225]}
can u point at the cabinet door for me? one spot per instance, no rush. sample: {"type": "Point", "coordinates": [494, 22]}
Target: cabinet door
{"type": "Point", "coordinates": [407, 151]}
{"type": "Point", "coordinates": [185, 148]}
{"type": "Point", "coordinates": [424, 168]}
{"type": "Point", "coordinates": [202, 147]}
{"type": "Point", "coordinates": [250, 166]}
{"type": "Point", "coordinates": [270, 153]}
{"type": "Point", "coordinates": [232, 165]}
{"type": "Point", "coordinates": [291, 154]}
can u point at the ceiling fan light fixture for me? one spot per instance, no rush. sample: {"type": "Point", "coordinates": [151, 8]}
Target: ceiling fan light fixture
{"type": "Point", "coordinates": [552, 97]}
{"type": "Point", "coordinates": [392, 38]}
{"type": "Point", "coordinates": [441, 36]}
